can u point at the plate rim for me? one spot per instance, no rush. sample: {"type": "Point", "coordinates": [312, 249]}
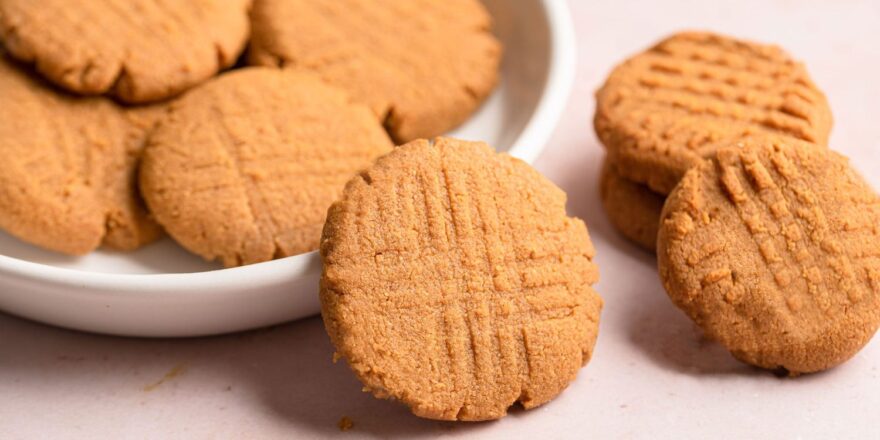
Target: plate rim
{"type": "Point", "coordinates": [527, 147]}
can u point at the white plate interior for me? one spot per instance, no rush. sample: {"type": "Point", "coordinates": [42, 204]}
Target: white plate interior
{"type": "Point", "coordinates": [162, 290]}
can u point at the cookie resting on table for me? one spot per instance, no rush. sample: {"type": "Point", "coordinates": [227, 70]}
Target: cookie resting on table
{"type": "Point", "coordinates": [632, 208]}
{"type": "Point", "coordinates": [455, 283]}
{"type": "Point", "coordinates": [774, 250]}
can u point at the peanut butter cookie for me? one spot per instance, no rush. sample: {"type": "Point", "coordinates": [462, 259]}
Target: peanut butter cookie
{"type": "Point", "coordinates": [663, 110]}
{"type": "Point", "coordinates": [67, 180]}
{"type": "Point", "coordinates": [455, 283]}
{"type": "Point", "coordinates": [632, 208]}
{"type": "Point", "coordinates": [774, 250]}
{"type": "Point", "coordinates": [423, 66]}
{"type": "Point", "coordinates": [135, 50]}
{"type": "Point", "coordinates": [244, 167]}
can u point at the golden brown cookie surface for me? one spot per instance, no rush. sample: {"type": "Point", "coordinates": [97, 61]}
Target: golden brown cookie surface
{"type": "Point", "coordinates": [423, 66]}
{"type": "Point", "coordinates": [774, 250]}
{"type": "Point", "coordinates": [135, 50]}
{"type": "Point", "coordinates": [632, 208]}
{"type": "Point", "coordinates": [663, 110]}
{"type": "Point", "coordinates": [243, 168]}
{"type": "Point", "coordinates": [454, 282]}
{"type": "Point", "coordinates": [67, 180]}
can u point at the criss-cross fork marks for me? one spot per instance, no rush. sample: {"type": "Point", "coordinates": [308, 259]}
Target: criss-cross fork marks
{"type": "Point", "coordinates": [269, 181]}
{"type": "Point", "coordinates": [785, 219]}
{"type": "Point", "coordinates": [415, 95]}
{"type": "Point", "coordinates": [457, 246]}
{"type": "Point", "coordinates": [137, 50]}
{"type": "Point", "coordinates": [715, 89]}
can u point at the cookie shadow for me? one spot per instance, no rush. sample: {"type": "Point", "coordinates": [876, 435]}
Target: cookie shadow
{"type": "Point", "coordinates": [653, 324]}
{"type": "Point", "coordinates": [302, 385]}
{"type": "Point", "coordinates": [665, 335]}
{"type": "Point", "coordinates": [13, 247]}
{"type": "Point", "coordinates": [166, 256]}
{"type": "Point", "coordinates": [283, 376]}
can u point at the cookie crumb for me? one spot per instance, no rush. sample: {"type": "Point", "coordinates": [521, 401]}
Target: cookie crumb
{"type": "Point", "coordinates": [345, 424]}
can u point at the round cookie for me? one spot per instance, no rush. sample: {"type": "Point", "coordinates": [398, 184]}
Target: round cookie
{"type": "Point", "coordinates": [135, 50]}
{"type": "Point", "coordinates": [455, 283]}
{"type": "Point", "coordinates": [632, 208]}
{"type": "Point", "coordinates": [244, 167]}
{"type": "Point", "coordinates": [67, 182]}
{"type": "Point", "coordinates": [774, 250]}
{"type": "Point", "coordinates": [423, 66]}
{"type": "Point", "coordinates": [663, 110]}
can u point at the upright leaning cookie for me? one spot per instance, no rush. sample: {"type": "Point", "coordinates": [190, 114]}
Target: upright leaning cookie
{"type": "Point", "coordinates": [135, 50]}
{"type": "Point", "coordinates": [454, 282]}
{"type": "Point", "coordinates": [243, 168]}
{"type": "Point", "coordinates": [67, 179]}
{"type": "Point", "coordinates": [774, 250]}
{"type": "Point", "coordinates": [423, 66]}
{"type": "Point", "coordinates": [663, 110]}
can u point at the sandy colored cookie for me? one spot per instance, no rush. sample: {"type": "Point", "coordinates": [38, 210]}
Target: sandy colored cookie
{"type": "Point", "coordinates": [244, 167]}
{"type": "Point", "coordinates": [135, 50]}
{"type": "Point", "coordinates": [67, 180]}
{"type": "Point", "coordinates": [455, 283]}
{"type": "Point", "coordinates": [663, 110]}
{"type": "Point", "coordinates": [632, 208]}
{"type": "Point", "coordinates": [774, 250]}
{"type": "Point", "coordinates": [423, 66]}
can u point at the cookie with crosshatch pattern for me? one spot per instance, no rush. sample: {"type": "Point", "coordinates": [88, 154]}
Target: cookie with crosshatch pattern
{"type": "Point", "coordinates": [135, 50]}
{"type": "Point", "coordinates": [773, 249]}
{"type": "Point", "coordinates": [665, 109]}
{"type": "Point", "coordinates": [423, 66]}
{"type": "Point", "coordinates": [455, 283]}
{"type": "Point", "coordinates": [243, 168]}
{"type": "Point", "coordinates": [69, 165]}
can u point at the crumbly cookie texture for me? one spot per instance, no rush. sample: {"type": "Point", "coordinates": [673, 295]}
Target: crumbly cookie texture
{"type": "Point", "coordinates": [136, 50]}
{"type": "Point", "coordinates": [632, 208]}
{"type": "Point", "coordinates": [67, 182]}
{"type": "Point", "coordinates": [663, 110]}
{"type": "Point", "coordinates": [243, 168]}
{"type": "Point", "coordinates": [774, 250]}
{"type": "Point", "coordinates": [423, 66]}
{"type": "Point", "coordinates": [455, 283]}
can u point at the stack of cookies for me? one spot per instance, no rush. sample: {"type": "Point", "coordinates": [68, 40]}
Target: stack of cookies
{"type": "Point", "coordinates": [665, 110]}
{"type": "Point", "coordinates": [118, 123]}
{"type": "Point", "coordinates": [717, 158]}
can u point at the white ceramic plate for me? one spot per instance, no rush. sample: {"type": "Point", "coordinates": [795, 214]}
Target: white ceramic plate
{"type": "Point", "coordinates": [161, 290]}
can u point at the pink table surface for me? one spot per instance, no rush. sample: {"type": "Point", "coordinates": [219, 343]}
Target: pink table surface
{"type": "Point", "coordinates": [651, 376]}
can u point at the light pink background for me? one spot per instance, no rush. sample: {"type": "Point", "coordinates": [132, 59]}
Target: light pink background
{"type": "Point", "coordinates": [652, 376]}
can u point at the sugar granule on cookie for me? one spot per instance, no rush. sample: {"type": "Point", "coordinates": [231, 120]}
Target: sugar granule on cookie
{"type": "Point", "coordinates": [774, 250]}
{"type": "Point", "coordinates": [455, 282]}
{"type": "Point", "coordinates": [423, 66]}
{"type": "Point", "coordinates": [243, 168]}
{"type": "Point", "coordinates": [67, 182]}
{"type": "Point", "coordinates": [663, 110]}
{"type": "Point", "coordinates": [135, 50]}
